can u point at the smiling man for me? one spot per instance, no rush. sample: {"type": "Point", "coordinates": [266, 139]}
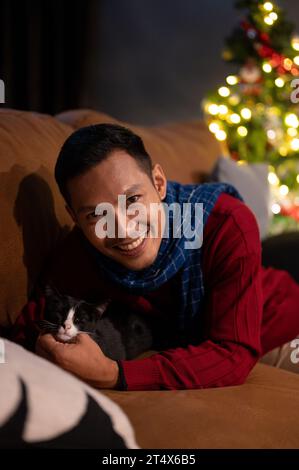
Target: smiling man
{"type": "Point", "coordinates": [221, 310]}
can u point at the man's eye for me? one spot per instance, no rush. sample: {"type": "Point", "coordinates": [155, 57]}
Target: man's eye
{"type": "Point", "coordinates": [133, 199]}
{"type": "Point", "coordinates": [92, 215]}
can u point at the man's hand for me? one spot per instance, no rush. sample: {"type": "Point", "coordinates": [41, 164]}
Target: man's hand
{"type": "Point", "coordinates": [83, 358]}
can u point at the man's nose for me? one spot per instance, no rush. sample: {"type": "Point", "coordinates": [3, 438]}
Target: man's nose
{"type": "Point", "coordinates": [125, 228]}
{"type": "Point", "coordinates": [121, 221]}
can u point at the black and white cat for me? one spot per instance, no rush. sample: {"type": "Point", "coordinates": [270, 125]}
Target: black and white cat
{"type": "Point", "coordinates": [121, 334]}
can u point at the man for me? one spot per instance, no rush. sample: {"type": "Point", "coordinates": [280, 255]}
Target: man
{"type": "Point", "coordinates": [224, 309]}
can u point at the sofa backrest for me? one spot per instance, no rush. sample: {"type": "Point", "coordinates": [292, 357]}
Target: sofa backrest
{"type": "Point", "coordinates": [33, 216]}
{"type": "Point", "coordinates": [185, 150]}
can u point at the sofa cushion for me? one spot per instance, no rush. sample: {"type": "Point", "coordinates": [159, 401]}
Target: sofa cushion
{"type": "Point", "coordinates": [262, 413]}
{"type": "Point", "coordinates": [42, 406]}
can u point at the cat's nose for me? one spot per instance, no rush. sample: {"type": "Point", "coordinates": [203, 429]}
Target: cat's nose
{"type": "Point", "coordinates": [67, 326]}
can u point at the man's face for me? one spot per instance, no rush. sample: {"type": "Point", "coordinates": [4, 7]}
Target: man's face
{"type": "Point", "coordinates": [118, 175]}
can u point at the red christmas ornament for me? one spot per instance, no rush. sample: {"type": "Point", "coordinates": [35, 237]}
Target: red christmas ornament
{"type": "Point", "coordinates": [292, 211]}
{"type": "Point", "coordinates": [275, 60]}
{"type": "Point", "coordinates": [280, 70]}
{"type": "Point", "coordinates": [264, 51]}
{"type": "Point", "coordinates": [265, 37]}
{"type": "Point", "coordinates": [261, 43]}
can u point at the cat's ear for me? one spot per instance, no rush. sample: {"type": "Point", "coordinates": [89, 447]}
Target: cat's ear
{"type": "Point", "coordinates": [102, 307]}
{"type": "Point", "coordinates": [50, 291]}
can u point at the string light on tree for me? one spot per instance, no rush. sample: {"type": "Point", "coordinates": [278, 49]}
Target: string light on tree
{"type": "Point", "coordinates": [292, 132]}
{"type": "Point", "coordinates": [283, 150]}
{"type": "Point", "coordinates": [291, 120]}
{"type": "Point", "coordinates": [275, 208]}
{"type": "Point", "coordinates": [234, 100]}
{"type": "Point", "coordinates": [283, 189]}
{"type": "Point", "coordinates": [242, 131]}
{"type": "Point", "coordinates": [224, 91]}
{"type": "Point", "coordinates": [214, 127]}
{"type": "Point", "coordinates": [272, 178]}
{"type": "Point", "coordinates": [268, 20]}
{"type": "Point", "coordinates": [273, 16]}
{"type": "Point", "coordinates": [271, 134]}
{"type": "Point", "coordinates": [268, 6]}
{"type": "Point", "coordinates": [234, 118]}
{"type": "Point", "coordinates": [223, 110]}
{"type": "Point", "coordinates": [232, 79]}
{"type": "Point", "coordinates": [295, 144]}
{"type": "Point", "coordinates": [220, 135]}
{"type": "Point", "coordinates": [287, 63]}
{"type": "Point", "coordinates": [213, 109]}
{"type": "Point", "coordinates": [295, 43]}
{"type": "Point", "coordinates": [279, 82]}
{"type": "Point", "coordinates": [267, 67]}
{"type": "Point", "coordinates": [246, 113]}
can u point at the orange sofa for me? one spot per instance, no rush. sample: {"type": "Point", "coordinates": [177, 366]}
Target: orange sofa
{"type": "Point", "coordinates": [262, 413]}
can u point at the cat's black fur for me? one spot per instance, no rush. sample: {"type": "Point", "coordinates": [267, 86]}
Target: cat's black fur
{"type": "Point", "coordinates": [121, 334]}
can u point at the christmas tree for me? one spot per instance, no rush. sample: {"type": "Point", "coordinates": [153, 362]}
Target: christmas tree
{"type": "Point", "coordinates": [255, 113]}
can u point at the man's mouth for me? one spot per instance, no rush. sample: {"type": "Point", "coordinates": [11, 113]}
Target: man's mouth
{"type": "Point", "coordinates": [135, 247]}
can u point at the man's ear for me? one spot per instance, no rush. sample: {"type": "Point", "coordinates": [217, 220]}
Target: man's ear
{"type": "Point", "coordinates": [159, 180]}
{"type": "Point", "coordinates": [71, 212]}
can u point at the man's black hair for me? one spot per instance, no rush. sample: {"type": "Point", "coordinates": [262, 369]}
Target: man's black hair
{"type": "Point", "coordinates": [89, 146]}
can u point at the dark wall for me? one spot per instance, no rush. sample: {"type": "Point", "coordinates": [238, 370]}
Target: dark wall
{"type": "Point", "coordinates": [155, 59]}
{"type": "Point", "coordinates": [144, 61]}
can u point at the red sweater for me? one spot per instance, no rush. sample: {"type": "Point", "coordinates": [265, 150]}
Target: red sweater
{"type": "Point", "coordinates": [248, 310]}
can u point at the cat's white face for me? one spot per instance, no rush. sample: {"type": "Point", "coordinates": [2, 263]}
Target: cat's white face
{"type": "Point", "coordinates": [66, 317]}
{"type": "Point", "coordinates": [69, 329]}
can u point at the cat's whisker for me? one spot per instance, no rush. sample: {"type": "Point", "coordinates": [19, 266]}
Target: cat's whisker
{"type": "Point", "coordinates": [46, 330]}
{"type": "Point", "coordinates": [45, 322]}
{"type": "Point", "coordinates": [46, 326]}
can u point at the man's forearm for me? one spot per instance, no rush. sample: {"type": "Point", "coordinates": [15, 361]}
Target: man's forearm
{"type": "Point", "coordinates": [203, 366]}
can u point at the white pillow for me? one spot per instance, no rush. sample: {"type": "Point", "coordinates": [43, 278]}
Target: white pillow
{"type": "Point", "coordinates": [251, 180]}
{"type": "Point", "coordinates": [42, 406]}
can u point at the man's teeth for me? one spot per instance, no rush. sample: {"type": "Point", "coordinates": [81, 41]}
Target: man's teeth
{"type": "Point", "coordinates": [132, 245]}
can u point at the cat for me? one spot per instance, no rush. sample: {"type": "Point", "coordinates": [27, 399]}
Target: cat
{"type": "Point", "coordinates": [121, 334]}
